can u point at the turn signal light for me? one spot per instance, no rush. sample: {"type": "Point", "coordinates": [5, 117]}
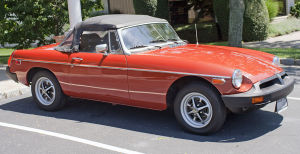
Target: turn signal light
{"type": "Point", "coordinates": [257, 99]}
{"type": "Point", "coordinates": [218, 81]}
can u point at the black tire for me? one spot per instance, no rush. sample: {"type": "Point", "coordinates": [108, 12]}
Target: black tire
{"type": "Point", "coordinates": [217, 117]}
{"type": "Point", "coordinates": [59, 99]}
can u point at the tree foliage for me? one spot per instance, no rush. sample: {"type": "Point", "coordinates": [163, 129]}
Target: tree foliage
{"type": "Point", "coordinates": [295, 10]}
{"type": "Point", "coordinates": [29, 21]}
{"type": "Point", "coordinates": [256, 19]}
{"type": "Point", "coordinates": [147, 7]}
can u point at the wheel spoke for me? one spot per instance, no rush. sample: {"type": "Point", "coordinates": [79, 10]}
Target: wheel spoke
{"type": "Point", "coordinates": [194, 118]}
{"type": "Point", "coordinates": [49, 88]}
{"type": "Point", "coordinates": [193, 101]}
{"type": "Point", "coordinates": [190, 112]}
{"type": "Point", "coordinates": [202, 107]}
{"type": "Point", "coordinates": [47, 96]}
{"type": "Point", "coordinates": [200, 118]}
{"type": "Point", "coordinates": [206, 114]}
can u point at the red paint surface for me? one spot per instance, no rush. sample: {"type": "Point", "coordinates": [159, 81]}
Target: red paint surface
{"type": "Point", "coordinates": [106, 78]}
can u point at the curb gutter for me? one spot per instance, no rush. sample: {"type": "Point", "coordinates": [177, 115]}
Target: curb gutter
{"type": "Point", "coordinates": [290, 61]}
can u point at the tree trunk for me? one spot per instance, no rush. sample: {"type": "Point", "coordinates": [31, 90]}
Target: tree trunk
{"type": "Point", "coordinates": [237, 8]}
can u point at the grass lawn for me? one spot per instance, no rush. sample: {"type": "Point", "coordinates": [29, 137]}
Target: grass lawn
{"type": "Point", "coordinates": [6, 51]}
{"type": "Point", "coordinates": [280, 52]}
{"type": "Point", "coordinates": [4, 55]}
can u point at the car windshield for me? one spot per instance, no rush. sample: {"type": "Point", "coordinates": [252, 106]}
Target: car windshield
{"type": "Point", "coordinates": [148, 35]}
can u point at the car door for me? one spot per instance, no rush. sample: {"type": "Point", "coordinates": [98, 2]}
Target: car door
{"type": "Point", "coordinates": [98, 76]}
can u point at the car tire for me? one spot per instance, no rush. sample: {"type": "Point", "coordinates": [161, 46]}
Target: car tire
{"type": "Point", "coordinates": [47, 92]}
{"type": "Point", "coordinates": [213, 111]}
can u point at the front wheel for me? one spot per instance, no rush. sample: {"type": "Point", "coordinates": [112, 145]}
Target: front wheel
{"type": "Point", "coordinates": [199, 109]}
{"type": "Point", "coordinates": [47, 92]}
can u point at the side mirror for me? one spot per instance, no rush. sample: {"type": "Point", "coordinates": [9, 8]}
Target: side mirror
{"type": "Point", "coordinates": [102, 48]}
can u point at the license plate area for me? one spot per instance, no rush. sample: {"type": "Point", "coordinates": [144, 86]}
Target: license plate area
{"type": "Point", "coordinates": [281, 105]}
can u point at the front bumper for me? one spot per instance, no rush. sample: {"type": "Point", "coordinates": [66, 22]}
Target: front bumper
{"type": "Point", "coordinates": [274, 91]}
{"type": "Point", "coordinates": [11, 75]}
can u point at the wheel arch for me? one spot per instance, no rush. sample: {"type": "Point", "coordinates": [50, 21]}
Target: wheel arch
{"type": "Point", "coordinates": [34, 70]}
{"type": "Point", "coordinates": [180, 83]}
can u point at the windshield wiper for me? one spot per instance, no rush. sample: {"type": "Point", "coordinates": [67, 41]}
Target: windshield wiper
{"type": "Point", "coordinates": [138, 46]}
{"type": "Point", "coordinates": [157, 41]}
{"type": "Point", "coordinates": [173, 39]}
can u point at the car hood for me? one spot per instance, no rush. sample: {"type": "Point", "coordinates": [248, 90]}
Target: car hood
{"type": "Point", "coordinates": [255, 65]}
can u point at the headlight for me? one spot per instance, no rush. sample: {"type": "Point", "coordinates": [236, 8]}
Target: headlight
{"type": "Point", "coordinates": [237, 78]}
{"type": "Point", "coordinates": [276, 61]}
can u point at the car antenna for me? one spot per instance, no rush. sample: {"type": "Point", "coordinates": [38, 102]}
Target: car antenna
{"type": "Point", "coordinates": [196, 33]}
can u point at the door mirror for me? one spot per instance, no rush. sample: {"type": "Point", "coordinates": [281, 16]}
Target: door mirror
{"type": "Point", "coordinates": [102, 48]}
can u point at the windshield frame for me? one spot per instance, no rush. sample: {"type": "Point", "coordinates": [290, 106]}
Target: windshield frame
{"type": "Point", "coordinates": [129, 51]}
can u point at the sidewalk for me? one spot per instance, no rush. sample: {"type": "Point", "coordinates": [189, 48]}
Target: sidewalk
{"type": "Point", "coordinates": [291, 40]}
{"type": "Point", "coordinates": [9, 88]}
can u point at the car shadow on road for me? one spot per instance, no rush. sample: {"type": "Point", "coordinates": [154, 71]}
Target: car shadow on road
{"type": "Point", "coordinates": [238, 128]}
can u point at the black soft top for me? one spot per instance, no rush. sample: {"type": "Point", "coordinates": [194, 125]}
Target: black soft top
{"type": "Point", "coordinates": [108, 22]}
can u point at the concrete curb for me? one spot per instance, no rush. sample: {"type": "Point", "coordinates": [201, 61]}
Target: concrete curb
{"type": "Point", "coordinates": [14, 92]}
{"type": "Point", "coordinates": [290, 61]}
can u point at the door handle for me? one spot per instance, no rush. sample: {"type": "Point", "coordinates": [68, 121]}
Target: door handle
{"type": "Point", "coordinates": [77, 59]}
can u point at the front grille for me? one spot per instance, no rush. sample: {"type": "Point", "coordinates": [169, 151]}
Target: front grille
{"type": "Point", "coordinates": [271, 82]}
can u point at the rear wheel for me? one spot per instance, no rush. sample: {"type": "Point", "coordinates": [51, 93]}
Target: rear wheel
{"type": "Point", "coordinates": [47, 92]}
{"type": "Point", "coordinates": [199, 109]}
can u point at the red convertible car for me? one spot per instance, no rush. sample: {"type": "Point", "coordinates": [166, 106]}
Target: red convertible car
{"type": "Point", "coordinates": [140, 61]}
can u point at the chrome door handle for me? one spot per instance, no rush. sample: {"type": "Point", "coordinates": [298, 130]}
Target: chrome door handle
{"type": "Point", "coordinates": [77, 58]}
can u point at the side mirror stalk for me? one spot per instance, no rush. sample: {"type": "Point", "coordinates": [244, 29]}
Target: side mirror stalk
{"type": "Point", "coordinates": [102, 48]}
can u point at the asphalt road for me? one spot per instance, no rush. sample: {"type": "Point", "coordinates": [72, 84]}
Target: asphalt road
{"type": "Point", "coordinates": [141, 130]}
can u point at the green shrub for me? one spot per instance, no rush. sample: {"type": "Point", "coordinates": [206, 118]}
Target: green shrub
{"type": "Point", "coordinates": [256, 21]}
{"type": "Point", "coordinates": [207, 32]}
{"type": "Point", "coordinates": [273, 8]}
{"type": "Point", "coordinates": [295, 10]}
{"type": "Point", "coordinates": [286, 26]}
{"type": "Point", "coordinates": [147, 7]}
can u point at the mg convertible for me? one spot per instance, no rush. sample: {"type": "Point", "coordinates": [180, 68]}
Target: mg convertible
{"type": "Point", "coordinates": [140, 61]}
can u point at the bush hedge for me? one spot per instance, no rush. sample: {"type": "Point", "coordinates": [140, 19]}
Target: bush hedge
{"type": "Point", "coordinates": [157, 8]}
{"type": "Point", "coordinates": [295, 10]}
{"type": "Point", "coordinates": [207, 32]}
{"type": "Point", "coordinates": [256, 19]}
{"type": "Point", "coordinates": [147, 7]}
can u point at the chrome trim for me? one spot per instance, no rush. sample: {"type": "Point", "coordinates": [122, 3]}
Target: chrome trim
{"type": "Point", "coordinates": [105, 67]}
{"type": "Point", "coordinates": [181, 73]}
{"type": "Point", "coordinates": [38, 61]}
{"type": "Point", "coordinates": [144, 92]}
{"type": "Point", "coordinates": [257, 84]}
{"type": "Point", "coordinates": [131, 69]}
{"type": "Point", "coordinates": [112, 89]}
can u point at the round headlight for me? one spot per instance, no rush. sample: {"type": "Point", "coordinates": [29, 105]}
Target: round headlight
{"type": "Point", "coordinates": [237, 78]}
{"type": "Point", "coordinates": [276, 60]}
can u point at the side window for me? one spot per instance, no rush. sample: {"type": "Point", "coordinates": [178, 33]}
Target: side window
{"type": "Point", "coordinates": [89, 40]}
{"type": "Point", "coordinates": [115, 43]}
{"type": "Point", "coordinates": [68, 41]}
